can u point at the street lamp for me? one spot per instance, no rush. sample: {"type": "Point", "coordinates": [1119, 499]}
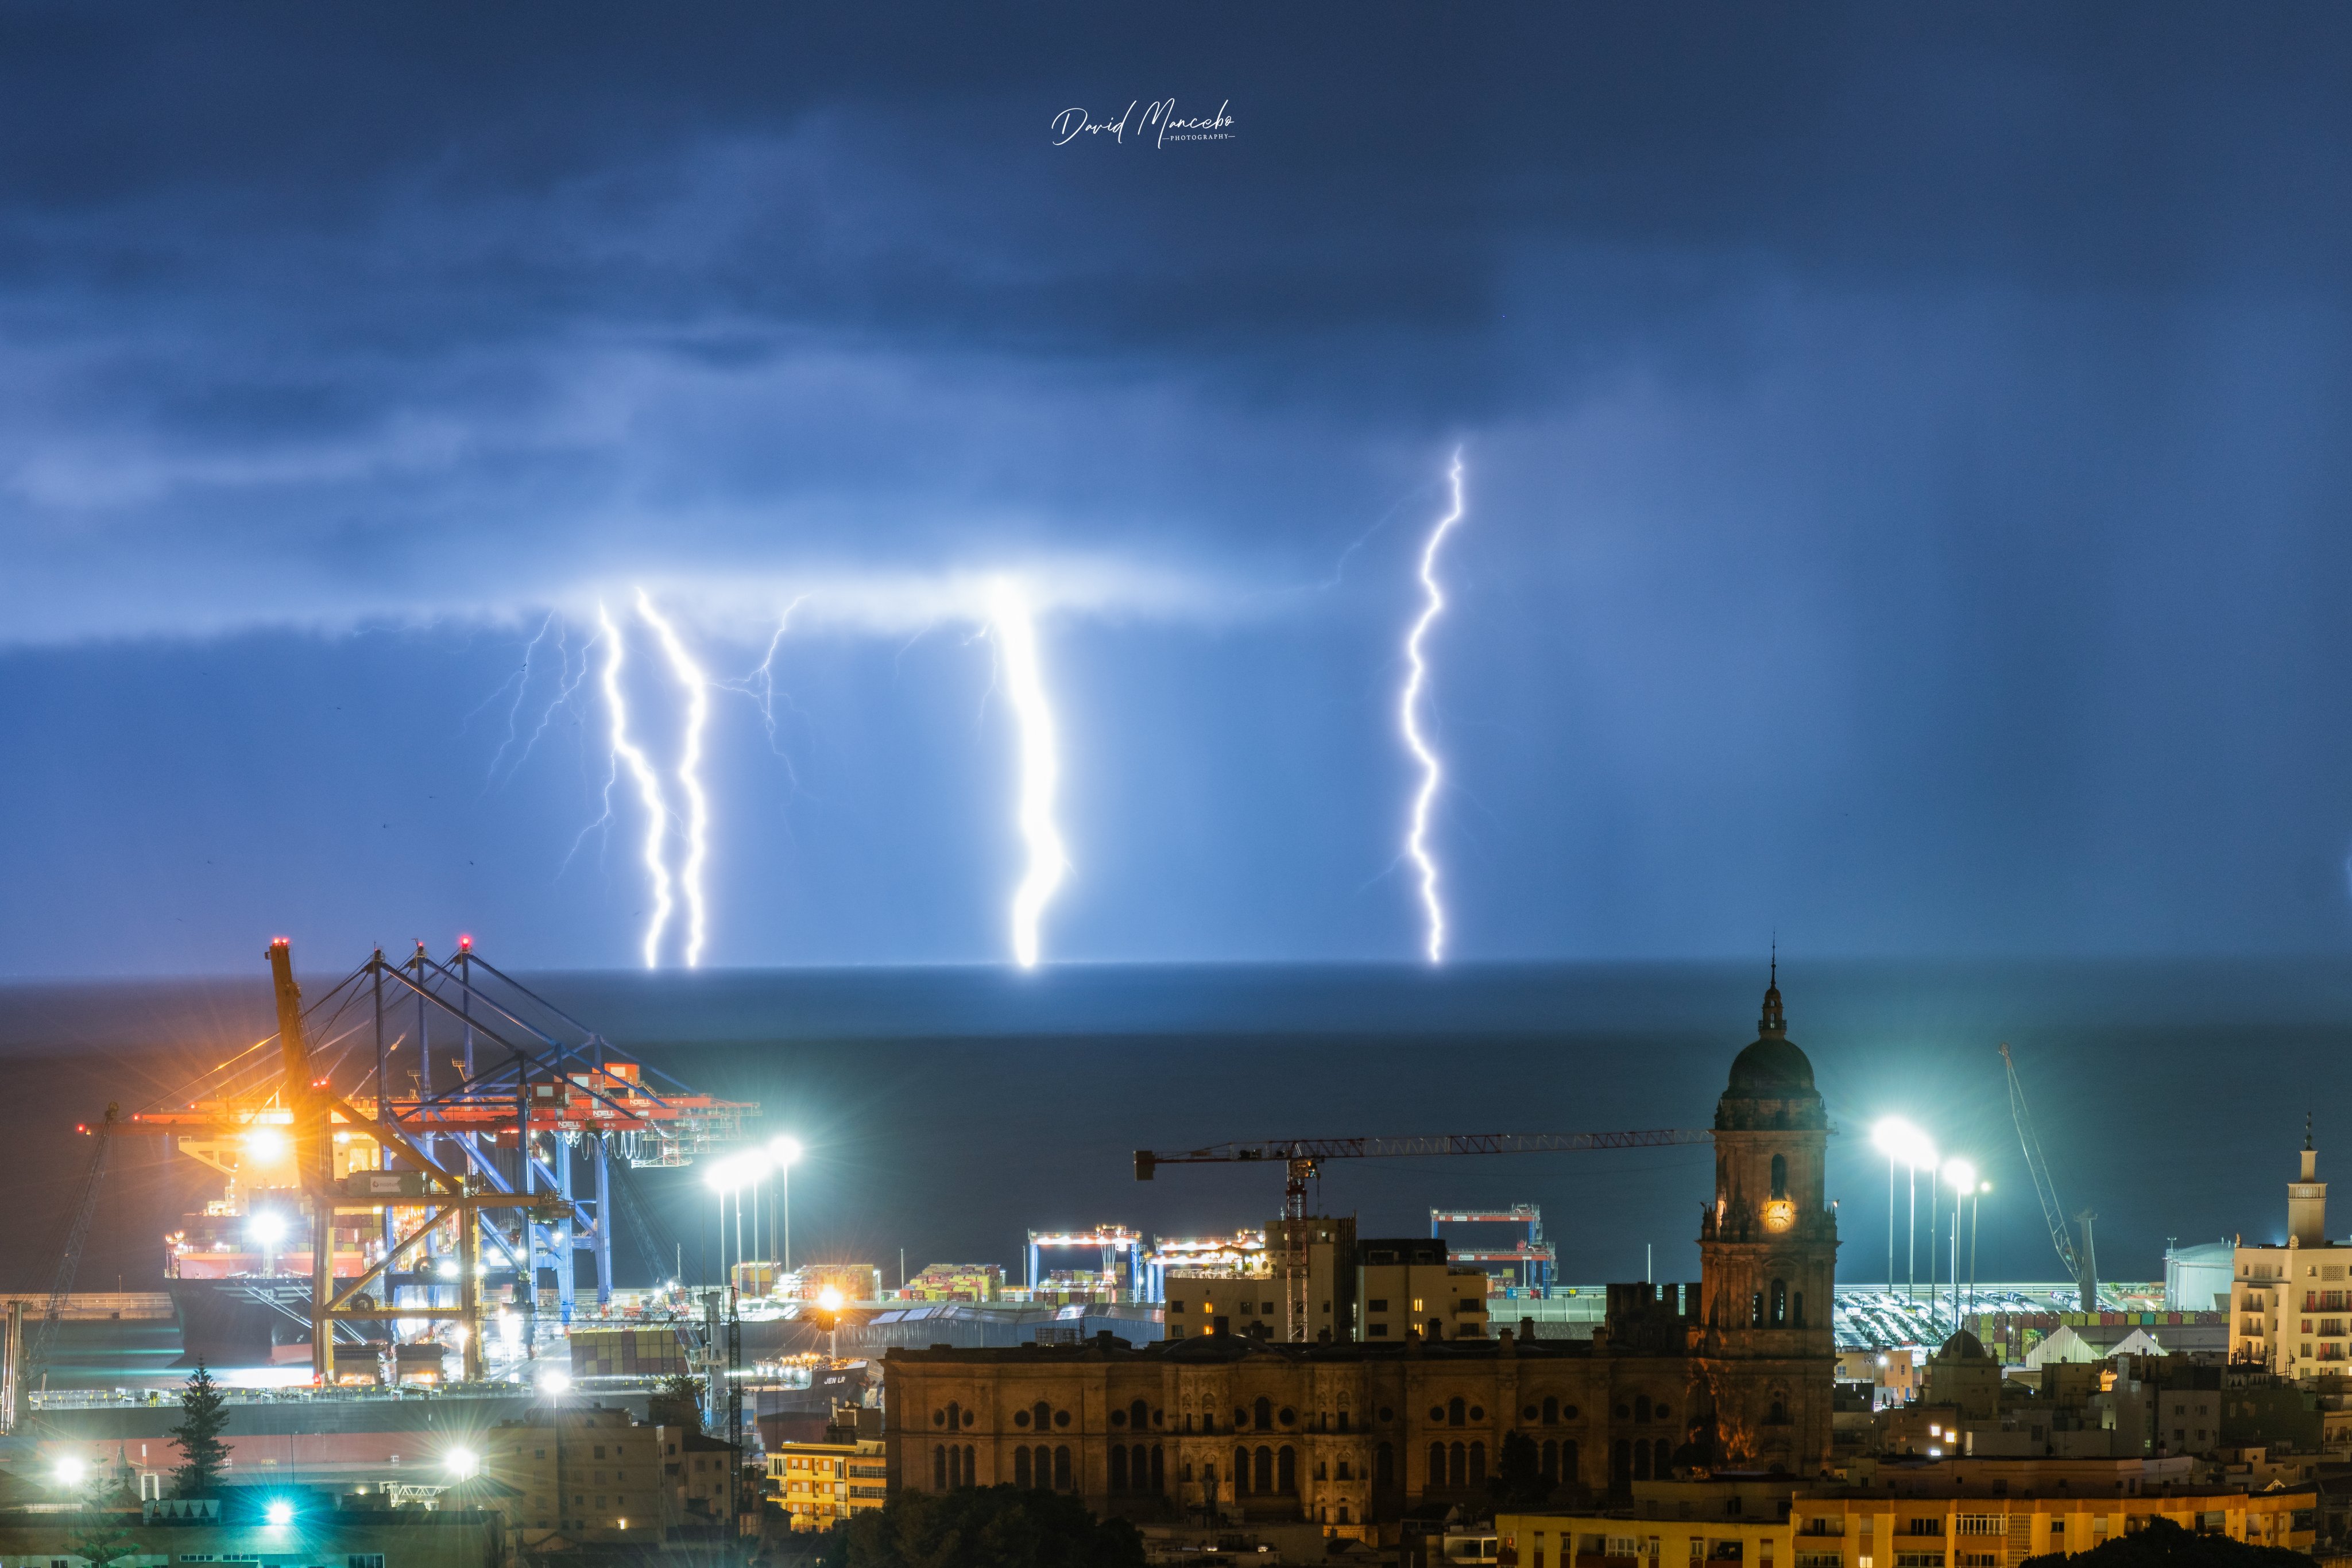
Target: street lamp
{"type": "Point", "coordinates": [782, 1153]}
{"type": "Point", "coordinates": [1962, 1176]}
{"type": "Point", "coordinates": [723, 1177]}
{"type": "Point", "coordinates": [269, 1228]}
{"type": "Point", "coordinates": [1906, 1144]}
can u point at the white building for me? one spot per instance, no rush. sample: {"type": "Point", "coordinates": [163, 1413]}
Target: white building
{"type": "Point", "coordinates": [2288, 1308]}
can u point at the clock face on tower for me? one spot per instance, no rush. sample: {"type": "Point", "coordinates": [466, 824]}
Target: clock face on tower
{"type": "Point", "coordinates": [1780, 1214]}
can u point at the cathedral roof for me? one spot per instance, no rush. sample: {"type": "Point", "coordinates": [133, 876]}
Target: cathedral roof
{"type": "Point", "coordinates": [1772, 1068]}
{"type": "Point", "coordinates": [1963, 1346]}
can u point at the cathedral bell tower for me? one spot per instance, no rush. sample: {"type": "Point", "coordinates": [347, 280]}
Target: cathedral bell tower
{"type": "Point", "coordinates": [1767, 1260]}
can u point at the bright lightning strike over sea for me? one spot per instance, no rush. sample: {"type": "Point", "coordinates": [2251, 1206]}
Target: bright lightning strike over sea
{"type": "Point", "coordinates": [689, 778]}
{"type": "Point", "coordinates": [648, 788]}
{"type": "Point", "coordinates": [1041, 766]}
{"type": "Point", "coordinates": [1433, 771]}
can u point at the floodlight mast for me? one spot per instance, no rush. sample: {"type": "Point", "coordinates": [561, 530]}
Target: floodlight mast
{"type": "Point", "coordinates": [2081, 1267]}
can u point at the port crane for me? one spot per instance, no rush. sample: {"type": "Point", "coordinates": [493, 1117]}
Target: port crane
{"type": "Point", "coordinates": [422, 1182]}
{"type": "Point", "coordinates": [1302, 1161]}
{"type": "Point", "coordinates": [2082, 1267]}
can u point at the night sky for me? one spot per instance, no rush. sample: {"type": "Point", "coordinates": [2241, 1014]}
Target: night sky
{"type": "Point", "coordinates": [1904, 454]}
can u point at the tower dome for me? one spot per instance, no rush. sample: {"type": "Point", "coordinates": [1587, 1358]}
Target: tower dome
{"type": "Point", "coordinates": [1772, 1068]}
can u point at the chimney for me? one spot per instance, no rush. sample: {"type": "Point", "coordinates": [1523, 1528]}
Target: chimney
{"type": "Point", "coordinates": [2306, 1200]}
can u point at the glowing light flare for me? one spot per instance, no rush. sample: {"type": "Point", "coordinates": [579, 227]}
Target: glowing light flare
{"type": "Point", "coordinates": [1433, 772]}
{"type": "Point", "coordinates": [690, 775]}
{"type": "Point", "coordinates": [266, 1145]}
{"type": "Point", "coordinates": [1899, 1141]}
{"type": "Point", "coordinates": [648, 788]}
{"type": "Point", "coordinates": [829, 1298]}
{"type": "Point", "coordinates": [1041, 771]}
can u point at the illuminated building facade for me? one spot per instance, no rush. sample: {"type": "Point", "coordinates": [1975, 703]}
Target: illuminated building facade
{"type": "Point", "coordinates": [1736, 1371]}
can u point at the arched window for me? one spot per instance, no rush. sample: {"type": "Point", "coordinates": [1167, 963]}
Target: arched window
{"type": "Point", "coordinates": [1343, 1513]}
{"type": "Point", "coordinates": [1042, 1413]}
{"type": "Point", "coordinates": [1621, 1468]}
{"type": "Point", "coordinates": [1777, 1416]}
{"type": "Point", "coordinates": [1261, 1413]}
{"type": "Point", "coordinates": [1780, 1175]}
{"type": "Point", "coordinates": [1457, 1467]}
{"type": "Point", "coordinates": [1383, 1467]}
{"type": "Point", "coordinates": [1159, 1471]}
{"type": "Point", "coordinates": [1436, 1329]}
{"type": "Point", "coordinates": [1118, 1467]}
{"type": "Point", "coordinates": [971, 1466]}
{"type": "Point", "coordinates": [1437, 1464]}
{"type": "Point", "coordinates": [1779, 1303]}
{"type": "Point", "coordinates": [1665, 1461]}
{"type": "Point", "coordinates": [1550, 1468]}
{"type": "Point", "coordinates": [1756, 1310]}
{"type": "Point", "coordinates": [955, 1416]}
{"type": "Point", "coordinates": [1641, 1408]}
{"type": "Point", "coordinates": [1140, 1468]}
{"type": "Point", "coordinates": [1286, 1472]}
{"type": "Point", "coordinates": [1477, 1464]}
{"type": "Point", "coordinates": [1262, 1472]}
{"type": "Point", "coordinates": [939, 1467]}
{"type": "Point", "coordinates": [1061, 1470]}
{"type": "Point", "coordinates": [1045, 1466]}
{"type": "Point", "coordinates": [1021, 1466]}
{"type": "Point", "coordinates": [1797, 1308]}
{"type": "Point", "coordinates": [1567, 1463]}
{"type": "Point", "coordinates": [1138, 1413]}
{"type": "Point", "coordinates": [1641, 1462]}
{"type": "Point", "coordinates": [1322, 1471]}
{"type": "Point", "coordinates": [1550, 1412]}
{"type": "Point", "coordinates": [1347, 1471]}
{"type": "Point", "coordinates": [1454, 1411]}
{"type": "Point", "coordinates": [1241, 1471]}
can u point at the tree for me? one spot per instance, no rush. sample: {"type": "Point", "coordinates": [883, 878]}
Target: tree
{"type": "Point", "coordinates": [679, 1403]}
{"type": "Point", "coordinates": [983, 1527]}
{"type": "Point", "coordinates": [203, 1454]}
{"type": "Point", "coordinates": [99, 1539]}
{"type": "Point", "coordinates": [2161, 1543]}
{"type": "Point", "coordinates": [1518, 1474]}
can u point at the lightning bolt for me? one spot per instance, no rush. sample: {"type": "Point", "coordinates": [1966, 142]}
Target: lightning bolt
{"type": "Point", "coordinates": [1041, 767]}
{"type": "Point", "coordinates": [522, 690]}
{"type": "Point", "coordinates": [624, 750]}
{"type": "Point", "coordinates": [1433, 772]}
{"type": "Point", "coordinates": [760, 686]}
{"type": "Point", "coordinates": [689, 777]}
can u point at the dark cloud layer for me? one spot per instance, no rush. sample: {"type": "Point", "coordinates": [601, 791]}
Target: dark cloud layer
{"type": "Point", "coordinates": [1905, 454]}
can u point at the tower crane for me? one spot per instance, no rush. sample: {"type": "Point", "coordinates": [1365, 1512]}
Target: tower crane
{"type": "Point", "coordinates": [2082, 1267]}
{"type": "Point", "coordinates": [1302, 1161]}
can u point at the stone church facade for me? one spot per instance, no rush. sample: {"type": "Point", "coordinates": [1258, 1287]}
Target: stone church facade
{"type": "Point", "coordinates": [1732, 1373]}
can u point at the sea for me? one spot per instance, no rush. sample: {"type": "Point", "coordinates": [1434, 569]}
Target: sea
{"type": "Point", "coordinates": [948, 1111]}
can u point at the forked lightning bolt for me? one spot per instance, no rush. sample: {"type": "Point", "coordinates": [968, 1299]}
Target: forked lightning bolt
{"type": "Point", "coordinates": [648, 788]}
{"type": "Point", "coordinates": [689, 776]}
{"type": "Point", "coordinates": [1041, 767]}
{"type": "Point", "coordinates": [1432, 773]}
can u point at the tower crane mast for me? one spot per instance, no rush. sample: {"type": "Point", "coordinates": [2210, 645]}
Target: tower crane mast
{"type": "Point", "coordinates": [2082, 1267]}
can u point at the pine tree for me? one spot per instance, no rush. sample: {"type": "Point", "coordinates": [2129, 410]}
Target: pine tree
{"type": "Point", "coordinates": [203, 1454]}
{"type": "Point", "coordinates": [679, 1403]}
